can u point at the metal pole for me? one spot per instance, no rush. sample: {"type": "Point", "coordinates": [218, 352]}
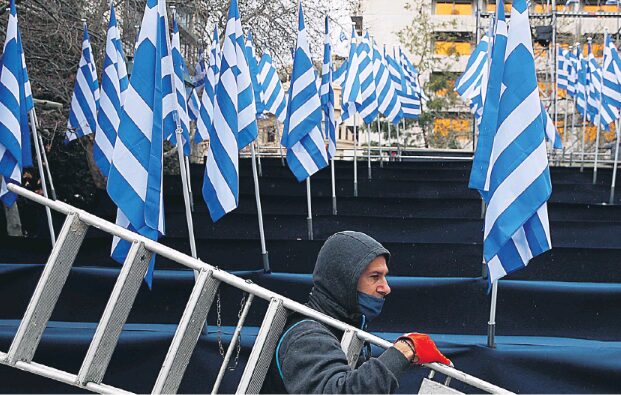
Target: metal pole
{"type": "Point", "coordinates": [46, 164]}
{"type": "Point", "coordinates": [379, 132]}
{"type": "Point", "coordinates": [565, 120]}
{"type": "Point", "coordinates": [184, 175]}
{"type": "Point", "coordinates": [584, 122]}
{"type": "Point", "coordinates": [491, 324]}
{"type": "Point", "coordinates": [554, 63]}
{"type": "Point", "coordinates": [257, 196]}
{"type": "Point", "coordinates": [282, 158]}
{"type": "Point", "coordinates": [573, 125]}
{"type": "Point", "coordinates": [187, 170]}
{"type": "Point", "coordinates": [355, 154]}
{"type": "Point", "coordinates": [614, 169]}
{"type": "Point", "coordinates": [389, 141]}
{"type": "Point", "coordinates": [399, 139]}
{"type": "Point", "coordinates": [599, 117]}
{"type": "Point", "coordinates": [258, 153]}
{"type": "Point", "coordinates": [334, 210]}
{"type": "Point", "coordinates": [309, 219]}
{"type": "Point", "coordinates": [368, 127]}
{"type": "Point", "coordinates": [35, 136]}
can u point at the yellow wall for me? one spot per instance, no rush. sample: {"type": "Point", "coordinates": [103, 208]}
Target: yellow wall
{"type": "Point", "coordinates": [444, 126]}
{"type": "Point", "coordinates": [453, 9]}
{"type": "Point", "coordinates": [492, 8]}
{"type": "Point", "coordinates": [452, 48]}
{"type": "Point", "coordinates": [600, 8]}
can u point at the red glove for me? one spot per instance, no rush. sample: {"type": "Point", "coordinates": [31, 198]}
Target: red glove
{"type": "Point", "coordinates": [426, 349]}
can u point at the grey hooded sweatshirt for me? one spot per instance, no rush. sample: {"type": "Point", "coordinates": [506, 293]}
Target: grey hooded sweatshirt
{"type": "Point", "coordinates": [308, 357]}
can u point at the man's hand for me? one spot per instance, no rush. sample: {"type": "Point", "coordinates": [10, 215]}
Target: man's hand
{"type": "Point", "coordinates": [425, 350]}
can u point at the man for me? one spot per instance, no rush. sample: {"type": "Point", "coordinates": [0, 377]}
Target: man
{"type": "Point", "coordinates": [349, 284]}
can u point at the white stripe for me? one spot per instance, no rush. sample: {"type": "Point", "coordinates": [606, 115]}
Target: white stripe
{"type": "Point", "coordinates": [495, 269]}
{"type": "Point", "coordinates": [139, 112]}
{"type": "Point", "coordinates": [515, 184]}
{"type": "Point", "coordinates": [521, 245]}
{"type": "Point", "coordinates": [223, 192]}
{"type": "Point", "coordinates": [133, 171]}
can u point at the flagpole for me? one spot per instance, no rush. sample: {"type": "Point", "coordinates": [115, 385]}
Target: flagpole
{"type": "Point", "coordinates": [259, 168]}
{"type": "Point", "coordinates": [46, 163]}
{"type": "Point", "coordinates": [355, 154]}
{"type": "Point", "coordinates": [282, 158]}
{"type": "Point", "coordinates": [399, 138]}
{"type": "Point", "coordinates": [491, 324]}
{"type": "Point", "coordinates": [180, 155]}
{"type": "Point", "coordinates": [389, 141]}
{"type": "Point", "coordinates": [368, 127]}
{"type": "Point", "coordinates": [332, 172]}
{"type": "Point", "coordinates": [257, 195]}
{"type": "Point", "coordinates": [599, 117]}
{"type": "Point", "coordinates": [309, 219]}
{"type": "Point", "coordinates": [187, 170]}
{"type": "Point", "coordinates": [35, 136]}
{"type": "Point", "coordinates": [379, 132]}
{"type": "Point", "coordinates": [616, 162]}
{"type": "Point", "coordinates": [584, 122]}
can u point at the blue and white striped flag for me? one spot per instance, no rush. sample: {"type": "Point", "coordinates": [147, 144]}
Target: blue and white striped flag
{"type": "Point", "coordinates": [388, 100]}
{"type": "Point", "coordinates": [468, 85]}
{"type": "Point", "coordinates": [181, 109]}
{"type": "Point", "coordinates": [85, 99]}
{"type": "Point", "coordinates": [338, 75]}
{"type": "Point", "coordinates": [272, 94]}
{"type": "Point", "coordinates": [221, 180]}
{"type": "Point", "coordinates": [582, 83]}
{"type": "Point", "coordinates": [563, 67]}
{"type": "Point", "coordinates": [15, 103]}
{"type": "Point", "coordinates": [200, 70]}
{"type": "Point", "coordinates": [572, 72]}
{"type": "Point", "coordinates": [326, 93]}
{"type": "Point", "coordinates": [351, 95]}
{"type": "Point", "coordinates": [510, 168]}
{"type": "Point", "coordinates": [194, 104]}
{"type": "Point", "coordinates": [368, 108]}
{"type": "Point", "coordinates": [413, 94]}
{"type": "Point", "coordinates": [114, 83]}
{"type": "Point", "coordinates": [205, 118]}
{"type": "Point", "coordinates": [612, 74]}
{"type": "Point", "coordinates": [247, 109]}
{"type": "Point", "coordinates": [135, 179]}
{"type": "Point", "coordinates": [253, 67]}
{"type": "Point", "coordinates": [599, 108]}
{"type": "Point", "coordinates": [410, 104]}
{"type": "Point", "coordinates": [306, 152]}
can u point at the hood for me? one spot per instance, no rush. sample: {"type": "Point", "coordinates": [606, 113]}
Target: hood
{"type": "Point", "coordinates": [341, 260]}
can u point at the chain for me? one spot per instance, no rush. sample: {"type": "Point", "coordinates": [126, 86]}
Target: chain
{"type": "Point", "coordinates": [242, 303]}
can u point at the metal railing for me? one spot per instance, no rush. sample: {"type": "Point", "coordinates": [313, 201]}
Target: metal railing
{"type": "Point", "coordinates": [208, 279]}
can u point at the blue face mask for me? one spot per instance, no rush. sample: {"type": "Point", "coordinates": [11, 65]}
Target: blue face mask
{"type": "Point", "coordinates": [370, 306]}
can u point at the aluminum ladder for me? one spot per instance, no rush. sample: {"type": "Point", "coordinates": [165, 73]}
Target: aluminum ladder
{"type": "Point", "coordinates": [208, 278]}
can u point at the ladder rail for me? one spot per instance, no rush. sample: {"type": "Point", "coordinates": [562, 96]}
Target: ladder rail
{"type": "Point", "coordinates": [239, 283]}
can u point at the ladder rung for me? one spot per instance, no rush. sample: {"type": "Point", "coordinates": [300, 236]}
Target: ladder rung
{"type": "Point", "coordinates": [115, 314]}
{"type": "Point", "coordinates": [351, 346]}
{"type": "Point", "coordinates": [48, 290]}
{"type": "Point", "coordinates": [187, 333]}
{"type": "Point", "coordinates": [263, 349]}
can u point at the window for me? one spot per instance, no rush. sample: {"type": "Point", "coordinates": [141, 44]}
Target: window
{"type": "Point", "coordinates": [453, 44]}
{"type": "Point", "coordinates": [442, 83]}
{"type": "Point", "coordinates": [444, 7]}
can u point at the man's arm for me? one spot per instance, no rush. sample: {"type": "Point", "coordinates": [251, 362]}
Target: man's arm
{"type": "Point", "coordinates": [311, 361]}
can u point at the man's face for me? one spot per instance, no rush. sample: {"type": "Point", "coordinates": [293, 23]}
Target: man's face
{"type": "Point", "coordinates": [373, 281]}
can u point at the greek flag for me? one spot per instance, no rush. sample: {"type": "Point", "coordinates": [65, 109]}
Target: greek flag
{"type": "Point", "coordinates": [599, 108]}
{"type": "Point", "coordinates": [510, 167]}
{"type": "Point", "coordinates": [572, 72]}
{"type": "Point", "coordinates": [552, 134]}
{"type": "Point", "coordinates": [413, 94]}
{"type": "Point", "coordinates": [612, 75]}
{"type": "Point", "coordinates": [338, 75]}
{"type": "Point", "coordinates": [85, 99]}
{"type": "Point", "coordinates": [387, 97]}
{"type": "Point", "coordinates": [468, 85]}
{"type": "Point", "coordinates": [205, 117]}
{"type": "Point", "coordinates": [272, 92]}
{"type": "Point", "coordinates": [563, 66]}
{"type": "Point", "coordinates": [351, 95]}
{"type": "Point", "coordinates": [326, 93]}
{"type": "Point", "coordinates": [368, 108]}
{"type": "Point", "coordinates": [306, 153]}
{"type": "Point", "coordinates": [582, 84]}
{"type": "Point", "coordinates": [114, 83]}
{"type": "Point", "coordinates": [200, 71]}
{"type": "Point", "coordinates": [221, 181]}
{"type": "Point", "coordinates": [181, 112]}
{"type": "Point", "coordinates": [15, 103]}
{"type": "Point", "coordinates": [193, 104]}
{"type": "Point", "coordinates": [410, 103]}
{"type": "Point", "coordinates": [135, 179]}
{"type": "Point", "coordinates": [246, 111]}
{"type": "Point", "coordinates": [254, 75]}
